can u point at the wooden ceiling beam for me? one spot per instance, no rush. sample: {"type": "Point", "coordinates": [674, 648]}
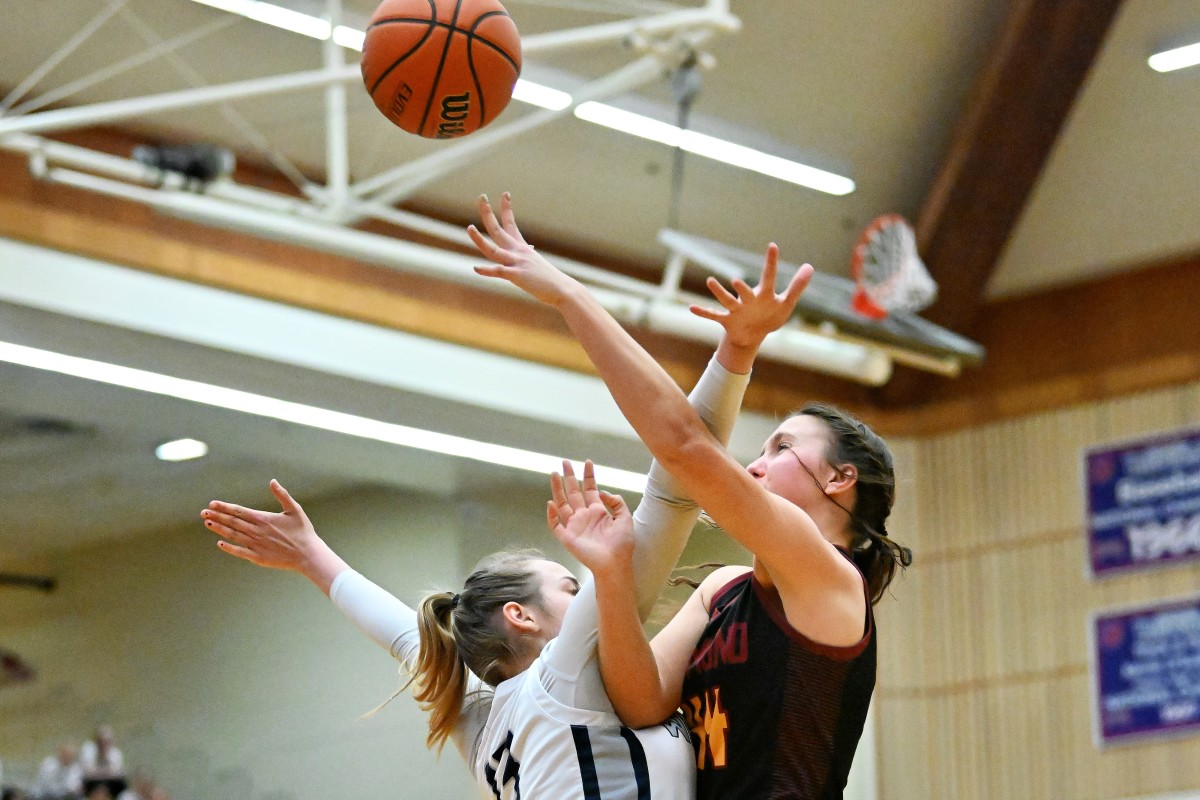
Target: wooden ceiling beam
{"type": "Point", "coordinates": [1011, 120]}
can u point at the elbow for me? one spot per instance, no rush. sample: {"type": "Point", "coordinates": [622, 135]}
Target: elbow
{"type": "Point", "coordinates": [645, 715]}
{"type": "Point", "coordinates": [691, 454]}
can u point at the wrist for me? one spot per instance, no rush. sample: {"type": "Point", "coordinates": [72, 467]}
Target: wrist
{"type": "Point", "coordinates": [738, 357]}
{"type": "Point", "coordinates": [321, 565]}
{"type": "Point", "coordinates": [617, 570]}
{"type": "Point", "coordinates": [573, 294]}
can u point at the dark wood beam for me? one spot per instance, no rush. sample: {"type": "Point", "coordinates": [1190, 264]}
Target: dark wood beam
{"type": "Point", "coordinates": [1020, 100]}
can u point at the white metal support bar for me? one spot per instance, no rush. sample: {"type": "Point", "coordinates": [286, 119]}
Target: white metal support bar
{"type": "Point", "coordinates": [57, 56]}
{"type": "Point", "coordinates": [792, 344]}
{"type": "Point", "coordinates": [395, 185]}
{"type": "Point", "coordinates": [66, 118]}
{"type": "Point", "coordinates": [337, 156]}
{"type": "Point", "coordinates": [715, 16]}
{"type": "Point", "coordinates": [159, 49]}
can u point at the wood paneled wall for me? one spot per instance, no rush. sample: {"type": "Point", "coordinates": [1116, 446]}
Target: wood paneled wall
{"type": "Point", "coordinates": [985, 689]}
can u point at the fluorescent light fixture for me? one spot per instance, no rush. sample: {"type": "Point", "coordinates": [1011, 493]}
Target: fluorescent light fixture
{"type": "Point", "coordinates": [181, 450]}
{"type": "Point", "coordinates": [543, 96]}
{"type": "Point", "coordinates": [1180, 57]}
{"type": "Point", "coordinates": [277, 16]}
{"type": "Point", "coordinates": [350, 38]}
{"type": "Point", "coordinates": [711, 147]}
{"type": "Point", "coordinates": [300, 414]}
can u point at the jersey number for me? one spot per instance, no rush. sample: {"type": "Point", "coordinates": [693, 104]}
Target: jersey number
{"type": "Point", "coordinates": [503, 755]}
{"type": "Point", "coordinates": [587, 763]}
{"type": "Point", "coordinates": [709, 723]}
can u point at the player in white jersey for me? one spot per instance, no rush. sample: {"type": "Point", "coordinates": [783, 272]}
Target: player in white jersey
{"type": "Point", "coordinates": [531, 719]}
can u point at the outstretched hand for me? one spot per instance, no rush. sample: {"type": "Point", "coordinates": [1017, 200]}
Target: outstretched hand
{"type": "Point", "coordinates": [595, 527]}
{"type": "Point", "coordinates": [751, 313]}
{"type": "Point", "coordinates": [513, 258]}
{"type": "Point", "coordinates": [279, 540]}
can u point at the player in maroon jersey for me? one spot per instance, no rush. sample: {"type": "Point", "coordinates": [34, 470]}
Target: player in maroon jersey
{"type": "Point", "coordinates": [773, 664]}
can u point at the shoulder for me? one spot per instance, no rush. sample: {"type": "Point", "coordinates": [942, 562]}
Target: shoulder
{"type": "Point", "coordinates": [717, 580]}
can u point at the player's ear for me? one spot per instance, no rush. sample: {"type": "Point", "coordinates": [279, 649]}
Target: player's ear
{"type": "Point", "coordinates": [517, 617]}
{"type": "Point", "coordinates": [843, 480]}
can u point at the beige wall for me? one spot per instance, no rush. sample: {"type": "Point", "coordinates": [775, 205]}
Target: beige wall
{"type": "Point", "coordinates": [227, 681]}
{"type": "Point", "coordinates": [985, 687]}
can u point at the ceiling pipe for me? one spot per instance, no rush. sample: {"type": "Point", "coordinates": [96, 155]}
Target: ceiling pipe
{"type": "Point", "coordinates": [792, 345]}
{"type": "Point", "coordinates": [97, 113]}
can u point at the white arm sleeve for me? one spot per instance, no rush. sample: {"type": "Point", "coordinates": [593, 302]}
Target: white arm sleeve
{"type": "Point", "coordinates": [393, 626]}
{"type": "Point", "coordinates": [717, 398]}
{"type": "Point", "coordinates": [662, 523]}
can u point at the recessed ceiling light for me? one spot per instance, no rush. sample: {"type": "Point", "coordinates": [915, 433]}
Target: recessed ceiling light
{"type": "Point", "coordinates": [181, 450]}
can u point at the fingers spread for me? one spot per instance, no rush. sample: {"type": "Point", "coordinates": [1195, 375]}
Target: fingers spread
{"type": "Point", "coordinates": [240, 552]}
{"type": "Point", "coordinates": [232, 509]}
{"type": "Point", "coordinates": [590, 493]}
{"type": "Point", "coordinates": [286, 501]}
{"type": "Point", "coordinates": [488, 249]}
{"type": "Point", "coordinates": [226, 525]}
{"type": "Point", "coordinates": [507, 219]}
{"type": "Point", "coordinates": [707, 313]}
{"type": "Point", "coordinates": [799, 283]}
{"type": "Point", "coordinates": [742, 288]}
{"type": "Point", "coordinates": [491, 224]}
{"type": "Point", "coordinates": [614, 503]}
{"type": "Point", "coordinates": [557, 491]}
{"type": "Point", "coordinates": [722, 294]}
{"type": "Point", "coordinates": [770, 266]}
{"type": "Point", "coordinates": [574, 494]}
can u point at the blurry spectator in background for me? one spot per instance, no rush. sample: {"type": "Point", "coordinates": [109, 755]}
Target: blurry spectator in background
{"type": "Point", "coordinates": [60, 777]}
{"type": "Point", "coordinates": [101, 758]}
{"type": "Point", "coordinates": [12, 793]}
{"type": "Point", "coordinates": [141, 787]}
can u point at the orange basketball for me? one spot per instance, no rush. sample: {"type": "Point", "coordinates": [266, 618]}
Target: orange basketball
{"type": "Point", "coordinates": [441, 68]}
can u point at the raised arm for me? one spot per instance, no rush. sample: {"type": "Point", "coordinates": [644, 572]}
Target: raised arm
{"type": "Point", "coordinates": [283, 540]}
{"type": "Point", "coordinates": [802, 563]}
{"type": "Point", "coordinates": [287, 540]}
{"type": "Point", "coordinates": [748, 315]}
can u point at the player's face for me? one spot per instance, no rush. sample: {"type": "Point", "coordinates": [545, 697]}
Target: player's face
{"type": "Point", "coordinates": [559, 588]}
{"type": "Point", "coordinates": [799, 443]}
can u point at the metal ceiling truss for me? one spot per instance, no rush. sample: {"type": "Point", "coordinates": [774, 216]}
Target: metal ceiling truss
{"type": "Point", "coordinates": [322, 216]}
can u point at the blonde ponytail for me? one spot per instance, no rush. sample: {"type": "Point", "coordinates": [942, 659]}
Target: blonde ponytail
{"type": "Point", "coordinates": [440, 676]}
{"type": "Point", "coordinates": [463, 634]}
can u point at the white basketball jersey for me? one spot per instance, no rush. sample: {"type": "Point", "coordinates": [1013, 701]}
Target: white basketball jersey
{"type": "Point", "coordinates": [536, 748]}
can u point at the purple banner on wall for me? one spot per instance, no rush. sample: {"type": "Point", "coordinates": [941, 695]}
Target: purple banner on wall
{"type": "Point", "coordinates": [1146, 668]}
{"type": "Point", "coordinates": [1143, 502]}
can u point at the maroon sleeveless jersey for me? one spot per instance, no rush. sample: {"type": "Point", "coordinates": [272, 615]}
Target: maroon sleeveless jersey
{"type": "Point", "coordinates": [772, 713]}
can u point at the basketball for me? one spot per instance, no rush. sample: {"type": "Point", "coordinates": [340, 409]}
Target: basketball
{"type": "Point", "coordinates": [441, 68]}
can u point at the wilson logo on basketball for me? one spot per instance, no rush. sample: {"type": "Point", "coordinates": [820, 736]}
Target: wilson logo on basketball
{"type": "Point", "coordinates": [455, 109]}
{"type": "Point", "coordinates": [400, 100]}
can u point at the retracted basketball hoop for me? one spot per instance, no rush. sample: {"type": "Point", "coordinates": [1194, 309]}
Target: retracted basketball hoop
{"type": "Point", "coordinates": [888, 273]}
